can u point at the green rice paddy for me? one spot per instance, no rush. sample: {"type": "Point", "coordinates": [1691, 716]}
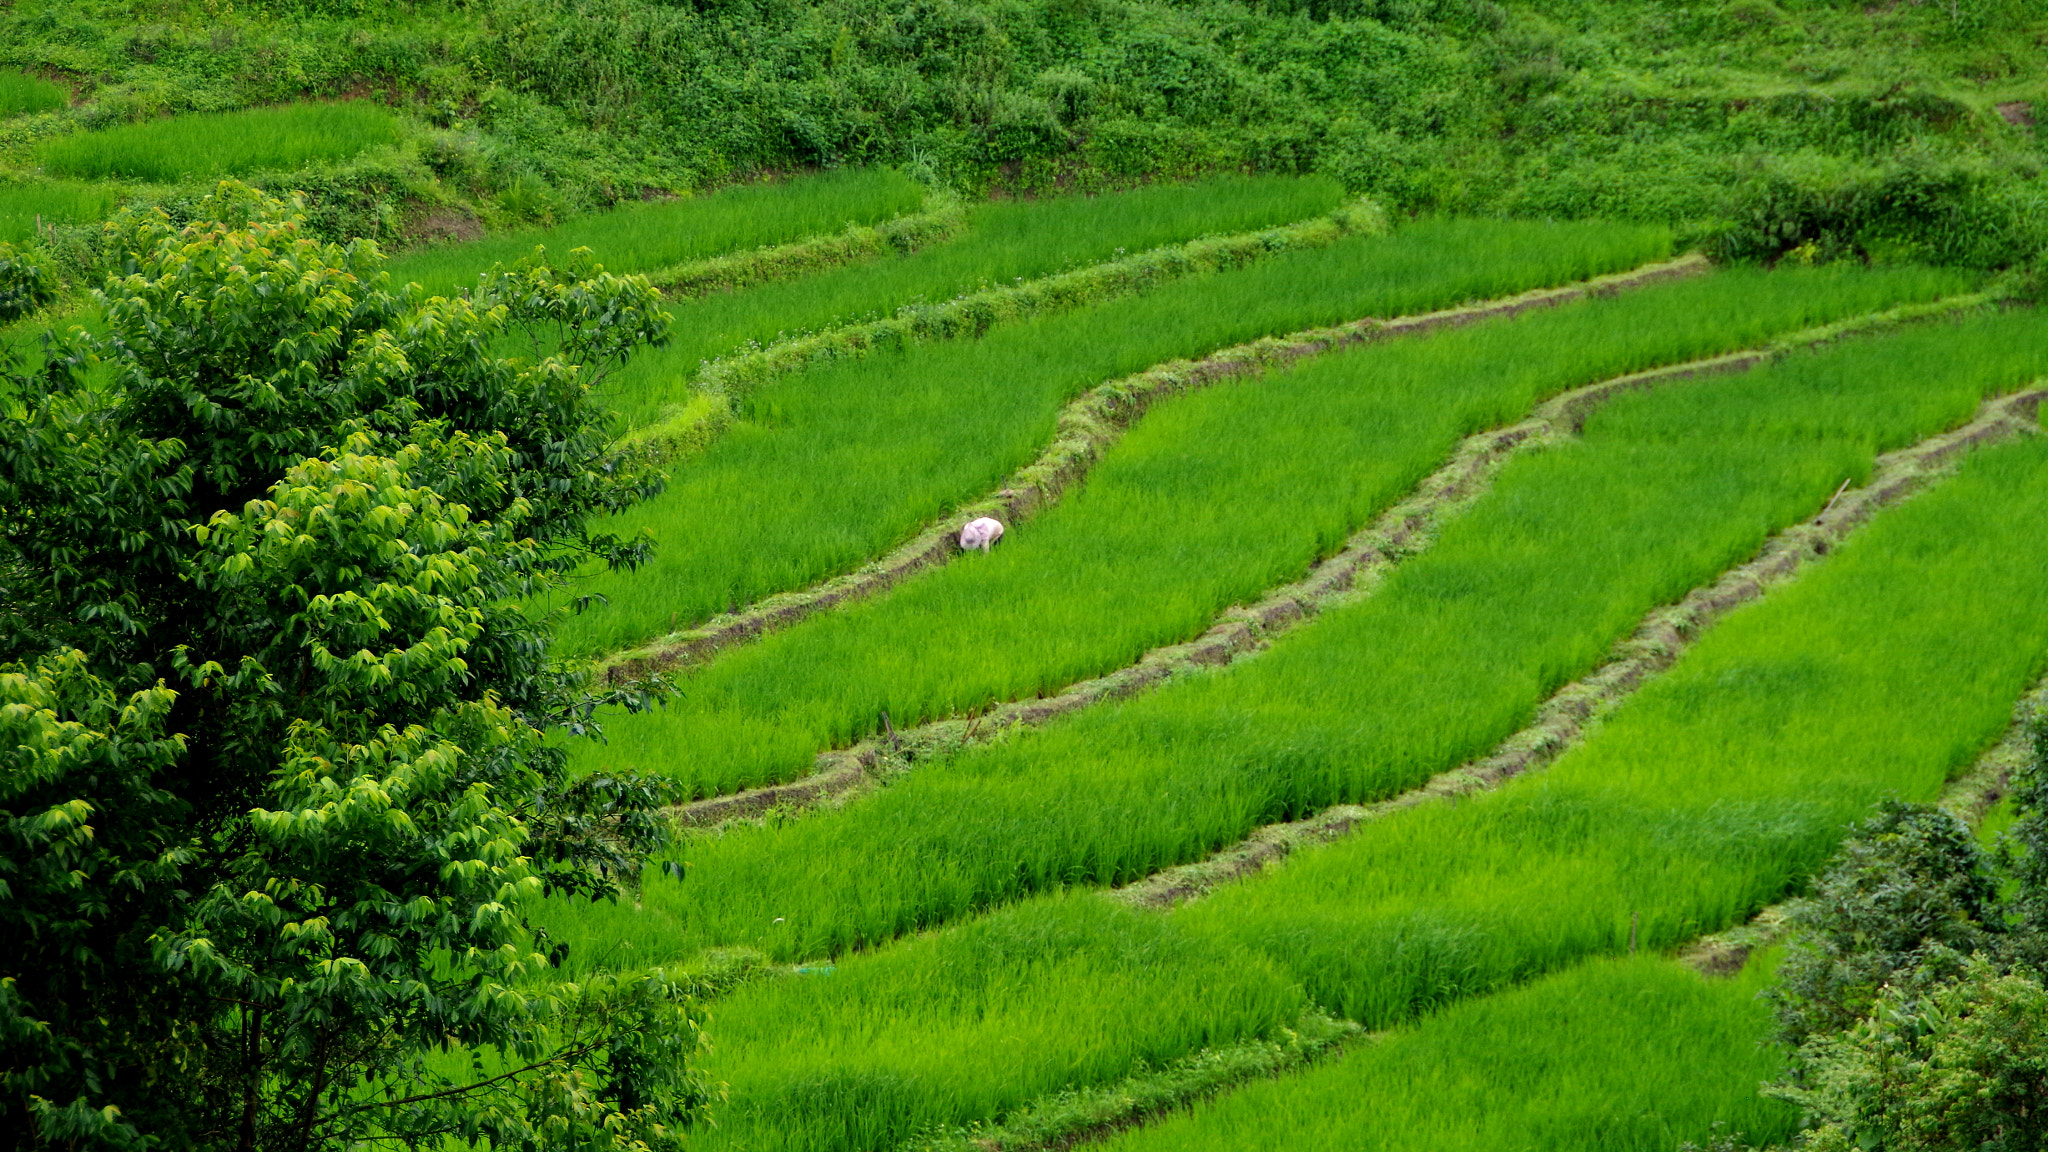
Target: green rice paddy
{"type": "Point", "coordinates": [176, 148]}
{"type": "Point", "coordinates": [1255, 479]}
{"type": "Point", "coordinates": [24, 208]}
{"type": "Point", "coordinates": [648, 237]}
{"type": "Point", "coordinates": [20, 92]}
{"type": "Point", "coordinates": [1616, 1056]}
{"type": "Point", "coordinates": [1451, 655]}
{"type": "Point", "coordinates": [1703, 798]}
{"type": "Point", "coordinates": [833, 466]}
{"type": "Point", "coordinates": [1002, 243]}
{"type": "Point", "coordinates": [938, 952]}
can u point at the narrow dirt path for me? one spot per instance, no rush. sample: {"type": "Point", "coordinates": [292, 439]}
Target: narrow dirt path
{"type": "Point", "coordinates": [1088, 427]}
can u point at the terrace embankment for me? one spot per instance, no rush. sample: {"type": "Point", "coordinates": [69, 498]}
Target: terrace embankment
{"type": "Point", "coordinates": [1087, 428]}
{"type": "Point", "coordinates": [1656, 645]}
{"type": "Point", "coordinates": [1354, 569]}
{"type": "Point", "coordinates": [942, 218]}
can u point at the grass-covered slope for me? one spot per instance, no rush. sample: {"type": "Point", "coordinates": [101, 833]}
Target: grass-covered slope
{"type": "Point", "coordinates": [1893, 129]}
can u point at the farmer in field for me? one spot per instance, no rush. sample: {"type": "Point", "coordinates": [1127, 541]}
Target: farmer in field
{"type": "Point", "coordinates": [980, 534]}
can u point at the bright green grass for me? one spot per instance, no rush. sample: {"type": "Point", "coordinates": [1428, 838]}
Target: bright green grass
{"type": "Point", "coordinates": [20, 92]}
{"type": "Point", "coordinates": [222, 143]}
{"type": "Point", "coordinates": [1870, 676]}
{"type": "Point", "coordinates": [1005, 242]}
{"type": "Point", "coordinates": [1455, 651]}
{"type": "Point", "coordinates": [56, 202]}
{"type": "Point", "coordinates": [1615, 1056]}
{"type": "Point", "coordinates": [834, 466]}
{"type": "Point", "coordinates": [1711, 793]}
{"type": "Point", "coordinates": [644, 238]}
{"type": "Point", "coordinates": [967, 1023]}
{"type": "Point", "coordinates": [1215, 497]}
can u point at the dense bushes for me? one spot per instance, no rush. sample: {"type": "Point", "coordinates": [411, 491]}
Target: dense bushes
{"type": "Point", "coordinates": [274, 778]}
{"type": "Point", "coordinates": [1818, 127]}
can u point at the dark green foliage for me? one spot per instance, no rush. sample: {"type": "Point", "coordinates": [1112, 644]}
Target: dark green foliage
{"type": "Point", "coordinates": [1911, 886]}
{"type": "Point", "coordinates": [1913, 991]}
{"type": "Point", "coordinates": [1961, 1066]}
{"type": "Point", "coordinates": [1894, 131]}
{"type": "Point", "coordinates": [280, 786]}
{"type": "Point", "coordinates": [2024, 847]}
{"type": "Point", "coordinates": [26, 284]}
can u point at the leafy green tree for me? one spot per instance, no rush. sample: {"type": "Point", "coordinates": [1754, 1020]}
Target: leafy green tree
{"type": "Point", "coordinates": [1959, 1067]}
{"type": "Point", "coordinates": [26, 284]}
{"type": "Point", "coordinates": [1912, 885]}
{"type": "Point", "coordinates": [282, 787]}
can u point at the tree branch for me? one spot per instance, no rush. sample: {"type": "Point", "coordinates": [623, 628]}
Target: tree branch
{"type": "Point", "coordinates": [557, 1058]}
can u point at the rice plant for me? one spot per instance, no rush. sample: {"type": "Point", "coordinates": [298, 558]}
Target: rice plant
{"type": "Point", "coordinates": [1615, 1056]}
{"type": "Point", "coordinates": [833, 466]}
{"type": "Point", "coordinates": [1213, 498]}
{"type": "Point", "coordinates": [281, 138]}
{"type": "Point", "coordinates": [1714, 790]}
{"type": "Point", "coordinates": [969, 1023]}
{"type": "Point", "coordinates": [646, 237]}
{"type": "Point", "coordinates": [1005, 241]}
{"type": "Point", "coordinates": [20, 92]}
{"type": "Point", "coordinates": [26, 207]}
{"type": "Point", "coordinates": [1453, 653]}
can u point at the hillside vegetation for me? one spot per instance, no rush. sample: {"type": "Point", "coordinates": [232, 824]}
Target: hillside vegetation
{"type": "Point", "coordinates": [1898, 130]}
{"type": "Point", "coordinates": [1494, 496]}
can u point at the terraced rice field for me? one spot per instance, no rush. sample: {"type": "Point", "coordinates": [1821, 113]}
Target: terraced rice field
{"type": "Point", "coordinates": [650, 238]}
{"type": "Point", "coordinates": [280, 138]}
{"type": "Point", "coordinates": [1360, 716]}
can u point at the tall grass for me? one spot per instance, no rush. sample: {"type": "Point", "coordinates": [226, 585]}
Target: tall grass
{"type": "Point", "coordinates": [1004, 242]}
{"type": "Point", "coordinates": [1454, 653]}
{"type": "Point", "coordinates": [22, 206]}
{"type": "Point", "coordinates": [1616, 1056]}
{"type": "Point", "coordinates": [968, 1023]}
{"type": "Point", "coordinates": [1213, 498]}
{"type": "Point", "coordinates": [643, 238]}
{"type": "Point", "coordinates": [1715, 790]}
{"type": "Point", "coordinates": [20, 92]}
{"type": "Point", "coordinates": [221, 143]}
{"type": "Point", "coordinates": [834, 466]}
